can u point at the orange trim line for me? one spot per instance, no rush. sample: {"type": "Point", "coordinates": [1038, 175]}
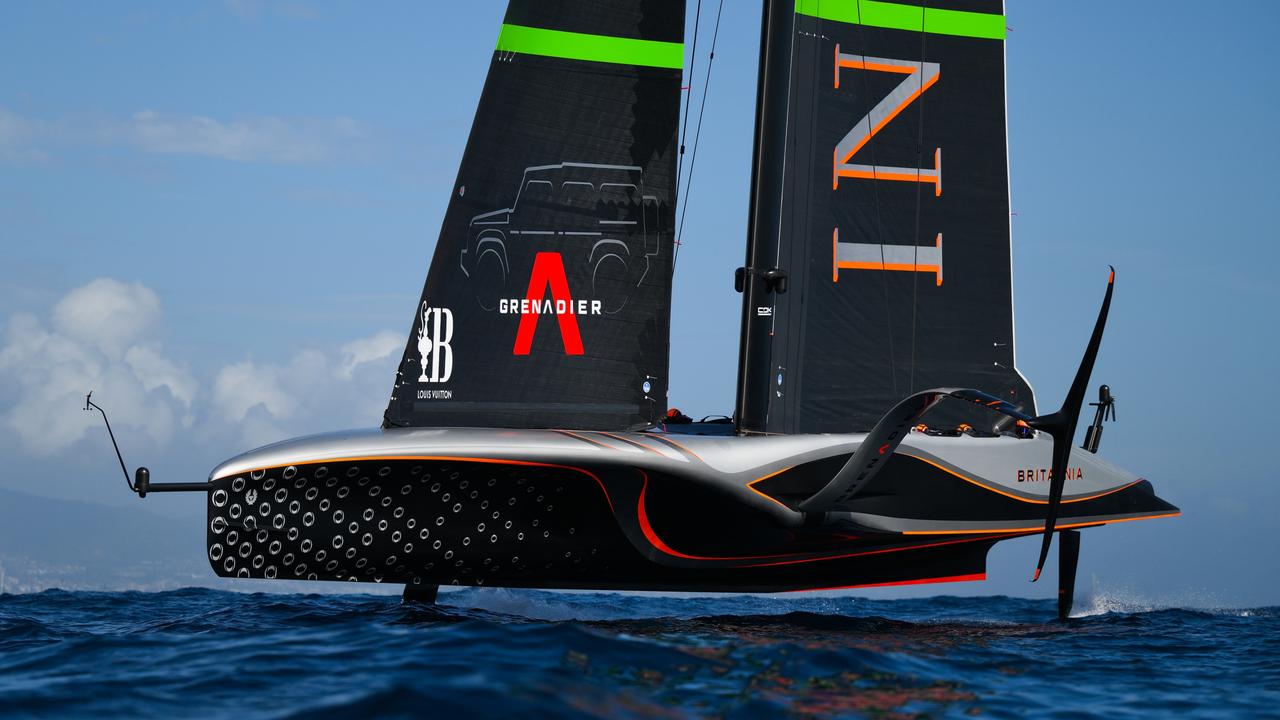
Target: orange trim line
{"type": "Point", "coordinates": [883, 551]}
{"type": "Point", "coordinates": [657, 543]}
{"type": "Point", "coordinates": [921, 581]}
{"type": "Point", "coordinates": [490, 461]}
{"type": "Point", "coordinates": [752, 486]}
{"type": "Point", "coordinates": [889, 118]}
{"type": "Point", "coordinates": [584, 438]}
{"type": "Point", "coordinates": [1040, 528]}
{"type": "Point", "coordinates": [1011, 495]}
{"type": "Point", "coordinates": [619, 438]}
{"type": "Point", "coordinates": [919, 177]}
{"type": "Point", "coordinates": [837, 264]}
{"type": "Point", "coordinates": [789, 558]}
{"type": "Point", "coordinates": [835, 255]}
{"type": "Point", "coordinates": [907, 267]}
{"type": "Point", "coordinates": [878, 67]}
{"type": "Point", "coordinates": [864, 65]}
{"type": "Point", "coordinates": [678, 446]}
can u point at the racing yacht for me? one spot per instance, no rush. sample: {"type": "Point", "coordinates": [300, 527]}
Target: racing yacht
{"type": "Point", "coordinates": [882, 433]}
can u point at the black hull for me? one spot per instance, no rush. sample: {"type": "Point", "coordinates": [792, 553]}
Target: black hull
{"type": "Point", "coordinates": [512, 523]}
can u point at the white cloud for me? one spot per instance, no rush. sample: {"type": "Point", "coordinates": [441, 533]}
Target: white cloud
{"type": "Point", "coordinates": [243, 386]}
{"type": "Point", "coordinates": [370, 349]}
{"type": "Point", "coordinates": [101, 340]}
{"type": "Point", "coordinates": [108, 315]}
{"type": "Point", "coordinates": [154, 371]}
{"type": "Point", "coordinates": [262, 139]}
{"type": "Point", "coordinates": [316, 391]}
{"type": "Point", "coordinates": [103, 337]}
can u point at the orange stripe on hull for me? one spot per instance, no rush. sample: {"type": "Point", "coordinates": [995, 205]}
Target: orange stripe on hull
{"type": "Point", "coordinates": [642, 516]}
{"type": "Point", "coordinates": [678, 446]}
{"type": "Point", "coordinates": [1039, 528]}
{"type": "Point", "coordinates": [752, 487]}
{"type": "Point", "coordinates": [921, 581]}
{"type": "Point", "coordinates": [584, 438]}
{"type": "Point", "coordinates": [633, 443]}
{"type": "Point", "coordinates": [998, 491]}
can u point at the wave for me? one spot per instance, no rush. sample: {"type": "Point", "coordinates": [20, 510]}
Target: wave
{"type": "Point", "coordinates": [211, 653]}
{"type": "Point", "coordinates": [1122, 600]}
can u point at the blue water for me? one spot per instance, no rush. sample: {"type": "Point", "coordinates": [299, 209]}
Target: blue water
{"type": "Point", "coordinates": [205, 653]}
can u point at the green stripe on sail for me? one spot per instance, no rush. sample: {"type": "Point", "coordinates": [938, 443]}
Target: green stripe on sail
{"type": "Point", "coordinates": [906, 17]}
{"type": "Point", "coordinates": [595, 48]}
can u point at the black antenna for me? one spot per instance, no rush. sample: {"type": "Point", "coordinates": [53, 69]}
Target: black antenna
{"type": "Point", "coordinates": [1106, 410]}
{"type": "Point", "coordinates": [141, 482]}
{"type": "Point", "coordinates": [89, 406]}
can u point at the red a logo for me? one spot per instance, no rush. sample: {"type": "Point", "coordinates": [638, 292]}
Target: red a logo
{"type": "Point", "coordinates": [548, 271]}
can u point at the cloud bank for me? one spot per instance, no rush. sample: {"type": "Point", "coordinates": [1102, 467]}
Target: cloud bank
{"type": "Point", "coordinates": [105, 336]}
{"type": "Point", "coordinates": [265, 139]}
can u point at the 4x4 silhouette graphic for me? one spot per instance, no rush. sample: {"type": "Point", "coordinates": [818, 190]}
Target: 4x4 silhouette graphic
{"type": "Point", "coordinates": [597, 216]}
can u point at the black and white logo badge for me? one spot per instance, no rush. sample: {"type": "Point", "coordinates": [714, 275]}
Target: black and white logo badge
{"type": "Point", "coordinates": [434, 334]}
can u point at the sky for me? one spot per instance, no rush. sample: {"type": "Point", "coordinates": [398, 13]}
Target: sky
{"type": "Point", "coordinates": [206, 210]}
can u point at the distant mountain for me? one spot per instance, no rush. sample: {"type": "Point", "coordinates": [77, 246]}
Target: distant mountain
{"type": "Point", "coordinates": [47, 543]}
{"type": "Point", "coordinates": [74, 545]}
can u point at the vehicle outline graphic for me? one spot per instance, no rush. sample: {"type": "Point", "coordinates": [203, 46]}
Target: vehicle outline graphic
{"type": "Point", "coordinates": [604, 205]}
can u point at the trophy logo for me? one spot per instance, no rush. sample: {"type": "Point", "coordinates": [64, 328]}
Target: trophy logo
{"type": "Point", "coordinates": [436, 357]}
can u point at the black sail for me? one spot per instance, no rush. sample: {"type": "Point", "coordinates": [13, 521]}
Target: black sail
{"type": "Point", "coordinates": [547, 303]}
{"type": "Point", "coordinates": [882, 192]}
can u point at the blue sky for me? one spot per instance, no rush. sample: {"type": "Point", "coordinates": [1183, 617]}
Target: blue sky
{"type": "Point", "coordinates": [242, 181]}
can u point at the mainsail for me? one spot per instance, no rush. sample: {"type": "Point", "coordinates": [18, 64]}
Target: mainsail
{"type": "Point", "coordinates": [881, 193]}
{"type": "Point", "coordinates": [548, 299]}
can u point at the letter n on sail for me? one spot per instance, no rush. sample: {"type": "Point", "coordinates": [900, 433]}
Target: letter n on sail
{"type": "Point", "coordinates": [919, 77]}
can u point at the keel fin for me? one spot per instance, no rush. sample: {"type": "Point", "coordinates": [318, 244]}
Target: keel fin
{"type": "Point", "coordinates": [1068, 559]}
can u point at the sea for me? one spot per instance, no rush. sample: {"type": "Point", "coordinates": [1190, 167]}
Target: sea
{"type": "Point", "coordinates": [203, 653]}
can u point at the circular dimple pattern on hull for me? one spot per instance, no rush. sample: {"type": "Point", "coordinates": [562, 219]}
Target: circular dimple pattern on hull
{"type": "Point", "coordinates": [473, 523]}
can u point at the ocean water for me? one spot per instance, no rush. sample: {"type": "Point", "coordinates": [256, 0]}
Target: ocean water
{"type": "Point", "coordinates": [517, 654]}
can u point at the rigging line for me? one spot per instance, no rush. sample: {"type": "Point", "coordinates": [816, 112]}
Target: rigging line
{"type": "Point", "coordinates": [697, 134]}
{"type": "Point", "coordinates": [875, 194]}
{"type": "Point", "coordinates": [688, 95]}
{"type": "Point", "coordinates": [915, 237]}
{"type": "Point", "coordinates": [786, 140]}
{"type": "Point", "coordinates": [806, 222]}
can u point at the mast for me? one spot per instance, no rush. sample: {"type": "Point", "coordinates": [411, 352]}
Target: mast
{"type": "Point", "coordinates": [764, 216]}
